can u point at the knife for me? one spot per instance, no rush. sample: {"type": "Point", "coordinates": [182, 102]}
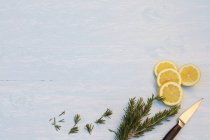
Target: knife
{"type": "Point", "coordinates": [183, 119]}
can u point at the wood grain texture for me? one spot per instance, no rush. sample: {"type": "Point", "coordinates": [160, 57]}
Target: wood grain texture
{"type": "Point", "coordinates": [85, 56]}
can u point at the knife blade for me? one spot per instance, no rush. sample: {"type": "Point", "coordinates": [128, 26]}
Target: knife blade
{"type": "Point", "coordinates": [183, 119]}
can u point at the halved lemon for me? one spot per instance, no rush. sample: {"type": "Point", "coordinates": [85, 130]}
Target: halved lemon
{"type": "Point", "coordinates": [172, 93]}
{"type": "Point", "coordinates": [168, 75]}
{"type": "Point", "coordinates": [162, 65]}
{"type": "Point", "coordinates": [190, 74]}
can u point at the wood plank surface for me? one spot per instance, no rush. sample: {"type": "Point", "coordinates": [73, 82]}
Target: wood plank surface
{"type": "Point", "coordinates": [85, 56]}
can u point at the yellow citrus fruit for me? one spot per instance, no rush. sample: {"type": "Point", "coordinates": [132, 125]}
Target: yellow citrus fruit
{"type": "Point", "coordinates": [162, 65]}
{"type": "Point", "coordinates": [168, 75]}
{"type": "Point", "coordinates": [190, 74]}
{"type": "Point", "coordinates": [171, 92]}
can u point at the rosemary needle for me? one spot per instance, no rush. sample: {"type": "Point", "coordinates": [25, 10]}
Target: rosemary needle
{"type": "Point", "coordinates": [62, 113]}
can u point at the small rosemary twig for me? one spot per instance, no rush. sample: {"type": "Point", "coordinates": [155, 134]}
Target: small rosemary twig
{"type": "Point", "coordinates": [75, 128]}
{"type": "Point", "coordinates": [106, 114]}
{"type": "Point", "coordinates": [89, 128]}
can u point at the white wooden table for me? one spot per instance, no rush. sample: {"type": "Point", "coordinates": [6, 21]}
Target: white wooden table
{"type": "Point", "coordinates": [85, 56]}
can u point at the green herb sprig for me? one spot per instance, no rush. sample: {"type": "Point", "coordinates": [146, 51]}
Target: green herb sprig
{"type": "Point", "coordinates": [75, 128]}
{"type": "Point", "coordinates": [89, 128]}
{"type": "Point", "coordinates": [106, 114]}
{"type": "Point", "coordinates": [133, 123]}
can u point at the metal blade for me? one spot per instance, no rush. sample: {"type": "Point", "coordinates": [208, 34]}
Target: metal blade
{"type": "Point", "coordinates": [184, 118]}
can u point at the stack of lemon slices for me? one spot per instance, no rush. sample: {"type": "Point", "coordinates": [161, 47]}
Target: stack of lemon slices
{"type": "Point", "coordinates": [170, 79]}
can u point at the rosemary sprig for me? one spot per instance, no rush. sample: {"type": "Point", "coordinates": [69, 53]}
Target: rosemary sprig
{"type": "Point", "coordinates": [134, 124]}
{"type": "Point", "coordinates": [106, 114]}
{"type": "Point", "coordinates": [89, 128]}
{"type": "Point", "coordinates": [75, 128]}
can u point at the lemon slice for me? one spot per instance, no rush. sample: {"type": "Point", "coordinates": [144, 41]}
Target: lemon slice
{"type": "Point", "coordinates": [172, 93]}
{"type": "Point", "coordinates": [190, 74]}
{"type": "Point", "coordinates": [168, 75]}
{"type": "Point", "coordinates": [164, 65]}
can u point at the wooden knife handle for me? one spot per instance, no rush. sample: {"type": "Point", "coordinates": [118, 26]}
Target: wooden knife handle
{"type": "Point", "coordinates": [173, 132]}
